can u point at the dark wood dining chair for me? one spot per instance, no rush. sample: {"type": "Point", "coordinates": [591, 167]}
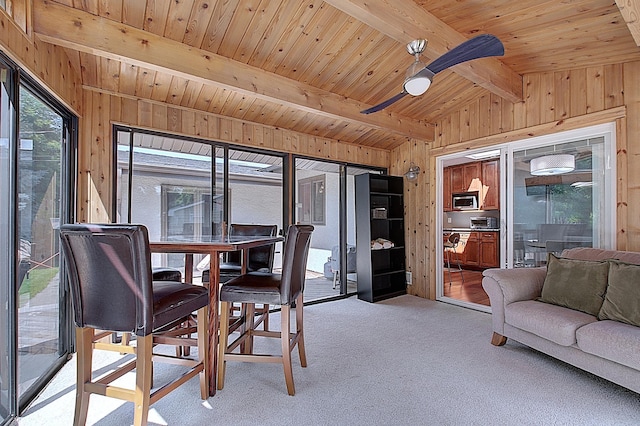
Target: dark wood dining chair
{"type": "Point", "coordinates": [110, 277]}
{"type": "Point", "coordinates": [107, 340]}
{"type": "Point", "coordinates": [285, 289]}
{"type": "Point", "coordinates": [259, 261]}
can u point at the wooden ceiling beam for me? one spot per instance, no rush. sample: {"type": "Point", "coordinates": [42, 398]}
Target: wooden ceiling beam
{"type": "Point", "coordinates": [72, 28]}
{"type": "Point", "coordinates": [630, 10]}
{"type": "Point", "coordinates": [404, 21]}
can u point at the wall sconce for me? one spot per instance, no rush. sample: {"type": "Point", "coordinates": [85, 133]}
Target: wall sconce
{"type": "Point", "coordinates": [413, 172]}
{"type": "Point", "coordinates": [554, 164]}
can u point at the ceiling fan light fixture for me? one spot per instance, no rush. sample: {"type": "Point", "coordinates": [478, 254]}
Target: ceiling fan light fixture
{"type": "Point", "coordinates": [415, 83]}
{"type": "Point", "coordinates": [416, 86]}
{"type": "Point", "coordinates": [554, 164]}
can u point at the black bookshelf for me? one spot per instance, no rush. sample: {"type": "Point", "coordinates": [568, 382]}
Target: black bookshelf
{"type": "Point", "coordinates": [380, 214]}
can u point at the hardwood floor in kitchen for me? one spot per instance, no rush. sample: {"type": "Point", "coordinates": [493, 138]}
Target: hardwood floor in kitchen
{"type": "Point", "coordinates": [471, 290]}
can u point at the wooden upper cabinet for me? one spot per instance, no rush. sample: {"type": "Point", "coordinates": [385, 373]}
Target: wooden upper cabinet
{"type": "Point", "coordinates": [472, 177]}
{"type": "Point", "coordinates": [483, 177]}
{"type": "Point", "coordinates": [446, 189]}
{"type": "Point", "coordinates": [465, 178]}
{"type": "Point", "coordinates": [457, 179]}
{"type": "Point", "coordinates": [490, 195]}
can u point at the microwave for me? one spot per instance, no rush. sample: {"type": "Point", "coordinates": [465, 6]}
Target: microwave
{"type": "Point", "coordinates": [465, 201]}
{"type": "Point", "coordinates": [484, 222]}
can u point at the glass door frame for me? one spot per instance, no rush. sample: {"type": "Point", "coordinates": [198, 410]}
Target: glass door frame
{"type": "Point", "coordinates": [16, 81]}
{"type": "Point", "coordinates": [606, 130]}
{"type": "Point", "coordinates": [68, 199]}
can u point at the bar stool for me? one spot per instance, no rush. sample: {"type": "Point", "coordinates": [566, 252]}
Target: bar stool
{"type": "Point", "coordinates": [451, 245]}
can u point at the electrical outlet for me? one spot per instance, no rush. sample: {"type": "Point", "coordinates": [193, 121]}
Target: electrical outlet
{"type": "Point", "coordinates": [409, 277]}
{"type": "Point", "coordinates": [448, 220]}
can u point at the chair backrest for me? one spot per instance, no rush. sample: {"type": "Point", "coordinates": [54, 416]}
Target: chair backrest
{"type": "Point", "coordinates": [109, 269]}
{"type": "Point", "coordinates": [260, 258]}
{"type": "Point", "coordinates": [454, 239]}
{"type": "Point", "coordinates": [294, 262]}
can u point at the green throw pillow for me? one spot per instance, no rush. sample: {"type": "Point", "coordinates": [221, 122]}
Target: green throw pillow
{"type": "Point", "coordinates": [622, 301]}
{"type": "Point", "coordinates": [575, 284]}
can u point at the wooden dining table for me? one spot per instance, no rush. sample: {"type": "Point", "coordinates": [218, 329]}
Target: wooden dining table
{"type": "Point", "coordinates": [213, 246]}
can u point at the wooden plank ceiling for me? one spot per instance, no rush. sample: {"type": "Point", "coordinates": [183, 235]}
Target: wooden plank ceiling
{"type": "Point", "coordinates": [311, 66]}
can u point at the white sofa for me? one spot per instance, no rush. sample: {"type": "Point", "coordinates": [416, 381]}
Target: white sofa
{"type": "Point", "coordinates": [606, 348]}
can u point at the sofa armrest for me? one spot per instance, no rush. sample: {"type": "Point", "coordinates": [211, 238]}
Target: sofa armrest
{"type": "Point", "coordinates": [506, 286]}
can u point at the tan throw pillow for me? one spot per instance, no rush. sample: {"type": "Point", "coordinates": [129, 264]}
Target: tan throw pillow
{"type": "Point", "coordinates": [575, 284]}
{"type": "Point", "coordinates": [622, 301]}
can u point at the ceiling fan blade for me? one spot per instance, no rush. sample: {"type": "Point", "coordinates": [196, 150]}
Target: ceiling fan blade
{"type": "Point", "coordinates": [482, 46]}
{"type": "Point", "coordinates": [384, 104]}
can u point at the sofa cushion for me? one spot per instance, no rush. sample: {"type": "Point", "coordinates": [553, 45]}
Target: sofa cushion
{"type": "Point", "coordinates": [575, 284]}
{"type": "Point", "coordinates": [611, 340]}
{"type": "Point", "coordinates": [548, 321]}
{"type": "Point", "coordinates": [622, 300]}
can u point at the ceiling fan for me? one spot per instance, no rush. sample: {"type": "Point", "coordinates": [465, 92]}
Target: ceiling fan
{"type": "Point", "coordinates": [418, 76]}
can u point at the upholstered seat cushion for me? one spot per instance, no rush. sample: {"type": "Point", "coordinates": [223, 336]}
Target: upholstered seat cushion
{"type": "Point", "coordinates": [173, 300]}
{"type": "Point", "coordinates": [162, 273]}
{"type": "Point", "coordinates": [253, 288]}
{"type": "Point", "coordinates": [548, 321]}
{"type": "Point", "coordinates": [611, 340]}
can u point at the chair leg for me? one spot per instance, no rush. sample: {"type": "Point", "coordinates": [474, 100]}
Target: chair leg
{"type": "Point", "coordinates": [285, 338]}
{"type": "Point", "coordinates": [223, 342]}
{"type": "Point", "coordinates": [143, 380]}
{"type": "Point", "coordinates": [84, 343]}
{"type": "Point", "coordinates": [448, 265]}
{"type": "Point", "coordinates": [300, 330]}
{"type": "Point", "coordinates": [249, 320]}
{"type": "Point", "coordinates": [459, 267]}
{"type": "Point", "coordinates": [265, 314]}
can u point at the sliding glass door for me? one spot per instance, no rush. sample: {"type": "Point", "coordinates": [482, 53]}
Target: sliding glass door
{"type": "Point", "coordinates": [556, 192]}
{"type": "Point", "coordinates": [562, 195]}
{"type": "Point", "coordinates": [37, 149]}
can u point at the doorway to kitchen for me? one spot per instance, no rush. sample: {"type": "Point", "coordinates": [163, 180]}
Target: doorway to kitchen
{"type": "Point", "coordinates": [513, 205]}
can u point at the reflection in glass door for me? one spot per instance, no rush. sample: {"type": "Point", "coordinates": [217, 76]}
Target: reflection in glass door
{"type": "Point", "coordinates": [562, 196]}
{"type": "Point", "coordinates": [41, 185]}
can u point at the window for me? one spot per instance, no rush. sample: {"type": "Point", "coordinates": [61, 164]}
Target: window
{"type": "Point", "coordinates": [311, 199]}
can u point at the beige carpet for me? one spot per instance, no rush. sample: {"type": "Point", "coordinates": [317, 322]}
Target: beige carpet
{"type": "Point", "coordinates": [402, 361]}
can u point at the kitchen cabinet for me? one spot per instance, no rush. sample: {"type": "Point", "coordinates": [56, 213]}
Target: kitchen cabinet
{"type": "Point", "coordinates": [465, 177]}
{"type": "Point", "coordinates": [380, 215]}
{"type": "Point", "coordinates": [477, 249]}
{"type": "Point", "coordinates": [457, 179]}
{"type": "Point", "coordinates": [446, 189]}
{"type": "Point", "coordinates": [471, 173]}
{"type": "Point", "coordinates": [472, 250]}
{"type": "Point", "coordinates": [490, 197]}
{"type": "Point", "coordinates": [489, 250]}
{"type": "Point", "coordinates": [483, 177]}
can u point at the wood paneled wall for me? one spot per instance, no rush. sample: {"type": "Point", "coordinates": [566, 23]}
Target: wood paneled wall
{"type": "Point", "coordinates": [46, 63]}
{"type": "Point", "coordinates": [101, 110]}
{"type": "Point", "coordinates": [553, 102]}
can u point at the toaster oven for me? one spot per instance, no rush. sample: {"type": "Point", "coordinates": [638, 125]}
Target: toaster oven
{"type": "Point", "coordinates": [488, 222]}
